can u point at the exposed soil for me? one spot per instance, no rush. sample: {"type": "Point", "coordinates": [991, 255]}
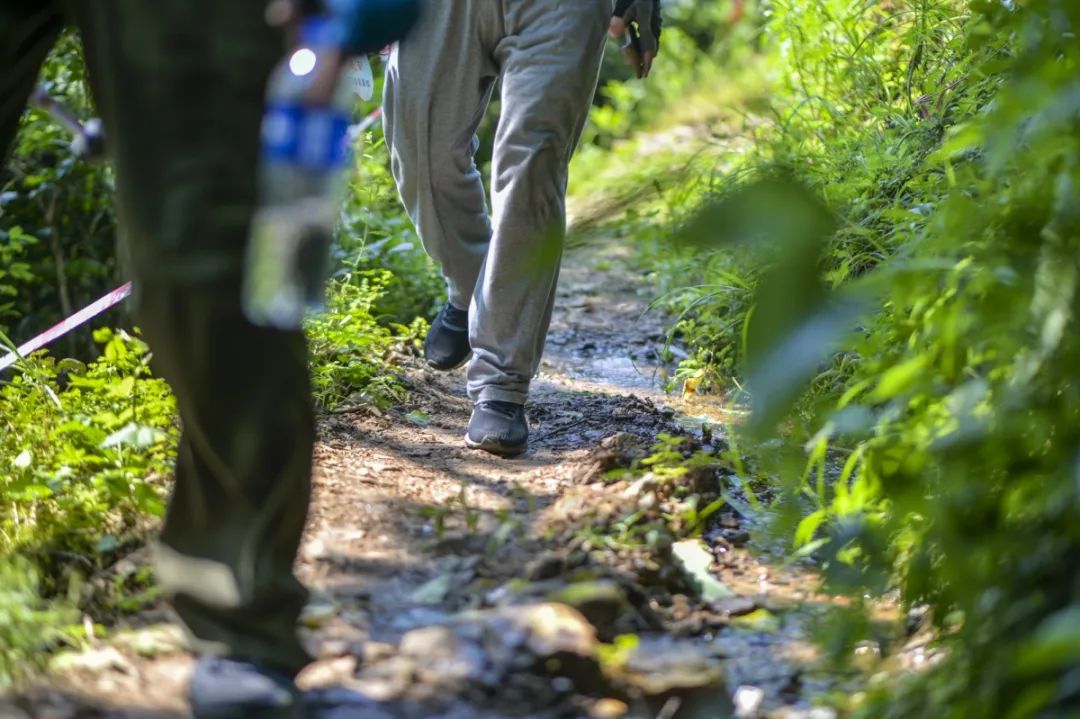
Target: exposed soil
{"type": "Point", "coordinates": [449, 583]}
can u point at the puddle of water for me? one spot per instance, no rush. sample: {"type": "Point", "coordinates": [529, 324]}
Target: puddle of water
{"type": "Point", "coordinates": [622, 374]}
{"type": "Point", "coordinates": [616, 373]}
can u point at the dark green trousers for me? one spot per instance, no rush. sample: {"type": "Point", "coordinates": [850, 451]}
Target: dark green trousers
{"type": "Point", "coordinates": [180, 85]}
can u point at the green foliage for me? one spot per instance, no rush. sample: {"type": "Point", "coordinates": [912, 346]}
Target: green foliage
{"type": "Point", "coordinates": [383, 288]}
{"type": "Point", "coordinates": [84, 451]}
{"type": "Point", "coordinates": [349, 347]}
{"type": "Point", "coordinates": [934, 449]}
{"type": "Point", "coordinates": [698, 46]}
{"type": "Point", "coordinates": [961, 413]}
{"type": "Point", "coordinates": [934, 326]}
{"type": "Point", "coordinates": [28, 623]}
{"type": "Point", "coordinates": [376, 234]}
{"type": "Point", "coordinates": [57, 222]}
{"type": "Point", "coordinates": [679, 487]}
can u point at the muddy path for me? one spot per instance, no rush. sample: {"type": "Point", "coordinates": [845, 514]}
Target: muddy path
{"type": "Point", "coordinates": [449, 583]}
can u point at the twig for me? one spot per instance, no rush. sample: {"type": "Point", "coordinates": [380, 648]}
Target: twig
{"type": "Point", "coordinates": [560, 430]}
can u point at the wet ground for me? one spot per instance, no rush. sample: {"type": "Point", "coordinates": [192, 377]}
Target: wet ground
{"type": "Point", "coordinates": [449, 583]}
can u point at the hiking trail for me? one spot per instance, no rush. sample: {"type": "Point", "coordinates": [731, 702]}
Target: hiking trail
{"type": "Point", "coordinates": [450, 583]}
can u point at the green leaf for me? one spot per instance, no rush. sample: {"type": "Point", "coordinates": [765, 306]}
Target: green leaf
{"type": "Point", "coordinates": [134, 435]}
{"type": "Point", "coordinates": [899, 378]}
{"type": "Point", "coordinates": [419, 418]}
{"type": "Point", "coordinates": [759, 620]}
{"type": "Point", "coordinates": [804, 533]}
{"type": "Point", "coordinates": [1056, 644]}
{"type": "Point", "coordinates": [778, 372]}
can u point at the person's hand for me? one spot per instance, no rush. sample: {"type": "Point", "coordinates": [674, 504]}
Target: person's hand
{"type": "Point", "coordinates": [346, 29]}
{"type": "Point", "coordinates": [639, 23]}
{"type": "Point", "coordinates": [353, 27]}
{"type": "Point", "coordinates": [365, 26]}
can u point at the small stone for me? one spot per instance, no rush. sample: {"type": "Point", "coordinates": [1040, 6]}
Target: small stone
{"type": "Point", "coordinates": [695, 560]}
{"type": "Point", "coordinates": [442, 657]}
{"type": "Point", "coordinates": [608, 709]}
{"type": "Point", "coordinates": [562, 685]}
{"type": "Point", "coordinates": [333, 648]}
{"type": "Point", "coordinates": [328, 672]}
{"type": "Point", "coordinates": [748, 701]}
{"type": "Point", "coordinates": [557, 629]}
{"type": "Point", "coordinates": [390, 679]}
{"type": "Point", "coordinates": [867, 656]}
{"type": "Point", "coordinates": [734, 606]}
{"type": "Point", "coordinates": [375, 652]}
{"type": "Point", "coordinates": [662, 666]}
{"type": "Point", "coordinates": [427, 641]}
{"type": "Point", "coordinates": [317, 614]}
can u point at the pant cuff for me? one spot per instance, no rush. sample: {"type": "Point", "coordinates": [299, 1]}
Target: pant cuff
{"type": "Point", "coordinates": [499, 394]}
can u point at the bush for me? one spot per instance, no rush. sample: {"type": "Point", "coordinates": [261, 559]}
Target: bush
{"type": "Point", "coordinates": [942, 440]}
{"type": "Point", "coordinates": [57, 222]}
{"type": "Point", "coordinates": [929, 307]}
{"type": "Point", "coordinates": [84, 452]}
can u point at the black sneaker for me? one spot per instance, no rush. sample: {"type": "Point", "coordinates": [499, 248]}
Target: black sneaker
{"type": "Point", "coordinates": [499, 428]}
{"type": "Point", "coordinates": [232, 689]}
{"type": "Point", "coordinates": [446, 346]}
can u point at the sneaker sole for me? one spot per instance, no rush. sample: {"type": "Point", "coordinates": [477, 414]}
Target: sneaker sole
{"type": "Point", "coordinates": [494, 446]}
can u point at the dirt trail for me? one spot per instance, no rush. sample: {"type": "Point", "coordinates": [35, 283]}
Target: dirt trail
{"type": "Point", "coordinates": [444, 577]}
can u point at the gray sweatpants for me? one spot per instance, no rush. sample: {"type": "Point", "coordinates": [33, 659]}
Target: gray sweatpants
{"type": "Point", "coordinates": [502, 266]}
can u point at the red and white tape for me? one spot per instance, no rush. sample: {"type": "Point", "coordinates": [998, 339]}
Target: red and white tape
{"type": "Point", "coordinates": [76, 320]}
{"type": "Point", "coordinates": [120, 293]}
{"type": "Point", "coordinates": [364, 125]}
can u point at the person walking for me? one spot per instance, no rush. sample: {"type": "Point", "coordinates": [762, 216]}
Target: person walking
{"type": "Point", "coordinates": [501, 268]}
{"type": "Point", "coordinates": [180, 85]}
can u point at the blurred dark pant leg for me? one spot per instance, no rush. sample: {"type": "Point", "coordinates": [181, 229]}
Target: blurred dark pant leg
{"type": "Point", "coordinates": [180, 84]}
{"type": "Point", "coordinates": [28, 30]}
{"type": "Point", "coordinates": [242, 476]}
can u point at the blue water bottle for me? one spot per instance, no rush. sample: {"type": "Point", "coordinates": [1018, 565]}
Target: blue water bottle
{"type": "Point", "coordinates": [310, 105]}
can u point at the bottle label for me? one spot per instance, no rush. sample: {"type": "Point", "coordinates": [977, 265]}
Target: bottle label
{"type": "Point", "coordinates": [364, 78]}
{"type": "Point", "coordinates": [313, 138]}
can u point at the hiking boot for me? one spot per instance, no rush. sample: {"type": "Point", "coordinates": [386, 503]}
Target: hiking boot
{"type": "Point", "coordinates": [232, 689]}
{"type": "Point", "coordinates": [446, 346]}
{"type": "Point", "coordinates": [499, 428]}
